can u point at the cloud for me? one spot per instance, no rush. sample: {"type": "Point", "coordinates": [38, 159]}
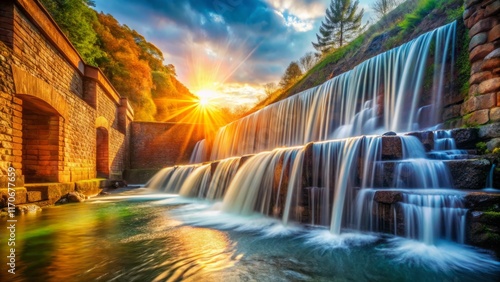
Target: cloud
{"type": "Point", "coordinates": [244, 42]}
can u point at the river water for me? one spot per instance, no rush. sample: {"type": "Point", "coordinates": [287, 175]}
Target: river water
{"type": "Point", "coordinates": [137, 236]}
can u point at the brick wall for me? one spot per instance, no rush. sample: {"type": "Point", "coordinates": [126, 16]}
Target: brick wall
{"type": "Point", "coordinates": [51, 103]}
{"type": "Point", "coordinates": [157, 144]}
{"type": "Point", "coordinates": [482, 105]}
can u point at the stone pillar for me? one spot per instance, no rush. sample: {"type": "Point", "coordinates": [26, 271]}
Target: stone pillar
{"type": "Point", "coordinates": [482, 105]}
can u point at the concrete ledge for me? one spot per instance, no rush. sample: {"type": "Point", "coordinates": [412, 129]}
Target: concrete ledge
{"type": "Point", "coordinates": [51, 192]}
{"type": "Point", "coordinates": [90, 187]}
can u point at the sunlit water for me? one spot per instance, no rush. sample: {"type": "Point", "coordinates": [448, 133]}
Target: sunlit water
{"type": "Point", "coordinates": [140, 237]}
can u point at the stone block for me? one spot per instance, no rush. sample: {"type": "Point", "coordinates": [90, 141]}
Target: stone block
{"type": "Point", "coordinates": [492, 144]}
{"type": "Point", "coordinates": [391, 148]}
{"type": "Point", "coordinates": [34, 196]}
{"type": "Point", "coordinates": [473, 20]}
{"type": "Point", "coordinates": [492, 9]}
{"type": "Point", "coordinates": [479, 77]}
{"type": "Point", "coordinates": [481, 51]}
{"type": "Point", "coordinates": [479, 117]}
{"type": "Point", "coordinates": [490, 85]}
{"type": "Point", "coordinates": [388, 197]}
{"type": "Point", "coordinates": [495, 114]}
{"type": "Point", "coordinates": [468, 174]}
{"type": "Point", "coordinates": [490, 64]}
{"type": "Point", "coordinates": [465, 138]}
{"type": "Point", "coordinates": [425, 137]}
{"type": "Point", "coordinates": [494, 33]}
{"type": "Point", "coordinates": [493, 54]}
{"type": "Point", "coordinates": [89, 188]}
{"type": "Point", "coordinates": [477, 23]}
{"type": "Point", "coordinates": [478, 39]}
{"type": "Point", "coordinates": [489, 131]}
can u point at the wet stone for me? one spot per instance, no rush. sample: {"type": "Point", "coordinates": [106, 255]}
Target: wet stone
{"type": "Point", "coordinates": [388, 197]}
{"type": "Point", "coordinates": [391, 148]}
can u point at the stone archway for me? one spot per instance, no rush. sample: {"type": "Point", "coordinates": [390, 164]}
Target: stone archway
{"type": "Point", "coordinates": [42, 139]}
{"type": "Point", "coordinates": [102, 152]}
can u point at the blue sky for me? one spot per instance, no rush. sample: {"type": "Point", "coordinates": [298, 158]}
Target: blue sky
{"type": "Point", "coordinates": [226, 49]}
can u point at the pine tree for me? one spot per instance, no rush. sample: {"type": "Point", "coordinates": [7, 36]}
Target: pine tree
{"type": "Point", "coordinates": [342, 23]}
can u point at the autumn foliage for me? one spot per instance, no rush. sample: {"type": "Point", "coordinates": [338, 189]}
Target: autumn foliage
{"type": "Point", "coordinates": [134, 66]}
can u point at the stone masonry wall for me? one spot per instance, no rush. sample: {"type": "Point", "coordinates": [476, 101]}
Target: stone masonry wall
{"type": "Point", "coordinates": [51, 103]}
{"type": "Point", "coordinates": [157, 145]}
{"type": "Point", "coordinates": [482, 105]}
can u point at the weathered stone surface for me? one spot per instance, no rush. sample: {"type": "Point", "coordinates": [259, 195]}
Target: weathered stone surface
{"type": "Point", "coordinates": [492, 9]}
{"type": "Point", "coordinates": [52, 191]}
{"type": "Point", "coordinates": [481, 51]}
{"type": "Point", "coordinates": [479, 77]}
{"type": "Point", "coordinates": [75, 197]}
{"type": "Point", "coordinates": [495, 114]}
{"type": "Point", "coordinates": [478, 39]}
{"type": "Point", "coordinates": [490, 131]}
{"type": "Point", "coordinates": [388, 197]}
{"type": "Point", "coordinates": [490, 64]}
{"type": "Point", "coordinates": [465, 138]}
{"type": "Point", "coordinates": [27, 208]}
{"type": "Point", "coordinates": [482, 201]}
{"type": "Point", "coordinates": [484, 220]}
{"type": "Point", "coordinates": [473, 20]}
{"type": "Point", "coordinates": [20, 197]}
{"type": "Point", "coordinates": [89, 187]}
{"type": "Point", "coordinates": [478, 117]}
{"type": "Point", "coordinates": [477, 23]}
{"type": "Point", "coordinates": [452, 111]}
{"type": "Point", "coordinates": [494, 33]}
{"type": "Point", "coordinates": [34, 196]}
{"type": "Point", "coordinates": [492, 144]}
{"type": "Point", "coordinates": [493, 54]}
{"type": "Point", "coordinates": [391, 148]}
{"type": "Point", "coordinates": [469, 174]}
{"type": "Point", "coordinates": [490, 85]}
{"type": "Point", "coordinates": [469, 3]}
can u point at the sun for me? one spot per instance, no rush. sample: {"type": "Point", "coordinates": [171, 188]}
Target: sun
{"type": "Point", "coordinates": [206, 97]}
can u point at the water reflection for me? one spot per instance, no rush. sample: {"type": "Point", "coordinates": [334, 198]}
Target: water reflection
{"type": "Point", "coordinates": [160, 238]}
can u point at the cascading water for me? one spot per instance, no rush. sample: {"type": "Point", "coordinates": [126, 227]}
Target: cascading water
{"type": "Point", "coordinates": [373, 183]}
{"type": "Point", "coordinates": [381, 94]}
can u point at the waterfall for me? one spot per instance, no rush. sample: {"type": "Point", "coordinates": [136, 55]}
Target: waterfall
{"type": "Point", "coordinates": [199, 152]}
{"type": "Point", "coordinates": [319, 159]}
{"type": "Point", "coordinates": [491, 174]}
{"type": "Point", "coordinates": [381, 94]}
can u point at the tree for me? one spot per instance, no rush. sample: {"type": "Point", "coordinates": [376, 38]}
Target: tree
{"type": "Point", "coordinates": [269, 88]}
{"type": "Point", "coordinates": [308, 61]}
{"type": "Point", "coordinates": [342, 23]}
{"type": "Point", "coordinates": [291, 75]}
{"type": "Point", "coordinates": [76, 19]}
{"type": "Point", "coordinates": [383, 7]}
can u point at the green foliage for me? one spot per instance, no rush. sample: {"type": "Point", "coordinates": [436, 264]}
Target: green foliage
{"type": "Point", "coordinates": [463, 64]}
{"type": "Point", "coordinates": [424, 7]}
{"type": "Point", "coordinates": [76, 19]}
{"type": "Point", "coordinates": [338, 54]}
{"type": "Point", "coordinates": [132, 64]}
{"type": "Point", "coordinates": [482, 148]}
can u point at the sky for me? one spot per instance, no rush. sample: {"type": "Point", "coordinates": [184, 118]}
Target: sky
{"type": "Point", "coordinates": [226, 50]}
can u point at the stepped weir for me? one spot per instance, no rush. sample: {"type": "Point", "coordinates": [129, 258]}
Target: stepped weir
{"type": "Point", "coordinates": [363, 152]}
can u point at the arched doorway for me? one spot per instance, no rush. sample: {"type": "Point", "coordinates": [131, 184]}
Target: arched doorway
{"type": "Point", "coordinates": [102, 152]}
{"type": "Point", "coordinates": [42, 128]}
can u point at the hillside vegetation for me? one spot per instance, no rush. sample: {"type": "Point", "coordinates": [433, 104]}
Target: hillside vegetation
{"type": "Point", "coordinates": [133, 65]}
{"type": "Point", "coordinates": [409, 20]}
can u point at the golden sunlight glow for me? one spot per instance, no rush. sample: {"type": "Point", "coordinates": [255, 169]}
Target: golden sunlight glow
{"type": "Point", "coordinates": [206, 96]}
